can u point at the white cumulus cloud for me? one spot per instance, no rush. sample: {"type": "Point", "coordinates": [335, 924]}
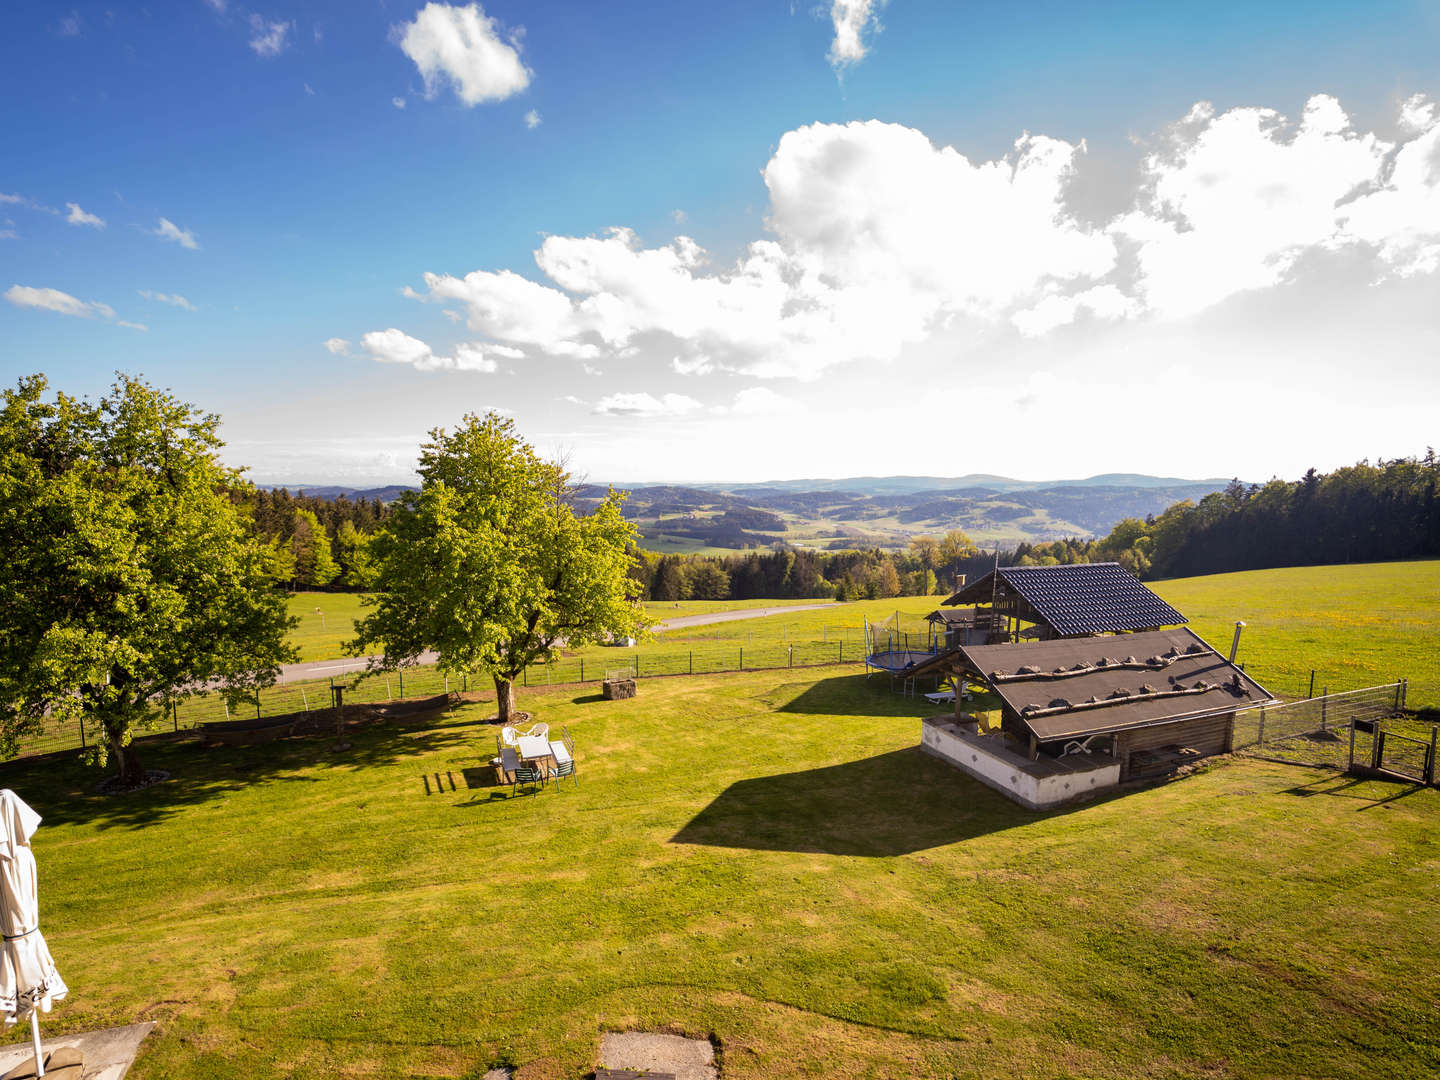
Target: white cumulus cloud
{"type": "Point", "coordinates": [398, 102]}
{"type": "Point", "coordinates": [760, 401]}
{"type": "Point", "coordinates": [60, 302]}
{"type": "Point", "coordinates": [532, 119]}
{"type": "Point", "coordinates": [269, 38]}
{"type": "Point", "coordinates": [643, 404]}
{"type": "Point", "coordinates": [173, 299]}
{"type": "Point", "coordinates": [463, 48]}
{"type": "Point", "coordinates": [338, 346]}
{"type": "Point", "coordinates": [1103, 302]}
{"type": "Point", "coordinates": [853, 20]}
{"type": "Point", "coordinates": [878, 234]}
{"type": "Point", "coordinates": [879, 240]}
{"type": "Point", "coordinates": [1234, 200]}
{"type": "Point", "coordinates": [168, 230]}
{"type": "Point", "coordinates": [396, 347]}
{"type": "Point", "coordinates": [80, 217]}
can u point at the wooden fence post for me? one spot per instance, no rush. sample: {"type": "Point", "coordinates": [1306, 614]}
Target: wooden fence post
{"type": "Point", "coordinates": [742, 657]}
{"type": "Point", "coordinates": [1312, 683]}
{"type": "Point", "coordinates": [1260, 739]}
{"type": "Point", "coordinates": [1324, 706]}
{"type": "Point", "coordinates": [1430, 758]}
{"type": "Point", "coordinates": [1350, 765]}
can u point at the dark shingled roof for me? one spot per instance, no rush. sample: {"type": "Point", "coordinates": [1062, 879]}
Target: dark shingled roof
{"type": "Point", "coordinates": [1078, 687]}
{"type": "Point", "coordinates": [1084, 598]}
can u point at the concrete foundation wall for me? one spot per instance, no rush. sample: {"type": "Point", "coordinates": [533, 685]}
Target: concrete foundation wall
{"type": "Point", "coordinates": [1038, 785]}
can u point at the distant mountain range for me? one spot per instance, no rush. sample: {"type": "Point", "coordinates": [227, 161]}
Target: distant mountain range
{"type": "Point", "coordinates": [871, 511]}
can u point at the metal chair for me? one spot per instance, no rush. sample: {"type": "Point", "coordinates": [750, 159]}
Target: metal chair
{"type": "Point", "coordinates": [526, 775]}
{"type": "Point", "coordinates": [562, 770]}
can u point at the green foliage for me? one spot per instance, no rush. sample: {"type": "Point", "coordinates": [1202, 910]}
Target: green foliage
{"type": "Point", "coordinates": [314, 564]}
{"type": "Point", "coordinates": [489, 565]}
{"type": "Point", "coordinates": [129, 575]}
{"type": "Point", "coordinates": [357, 566]}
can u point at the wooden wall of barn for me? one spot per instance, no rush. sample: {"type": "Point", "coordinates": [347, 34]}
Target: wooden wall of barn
{"type": "Point", "coordinates": [1207, 735]}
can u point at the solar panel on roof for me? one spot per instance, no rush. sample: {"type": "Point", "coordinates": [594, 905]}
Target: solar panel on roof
{"type": "Point", "coordinates": [1090, 598]}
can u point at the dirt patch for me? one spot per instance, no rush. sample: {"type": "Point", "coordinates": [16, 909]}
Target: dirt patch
{"type": "Point", "coordinates": [650, 1051]}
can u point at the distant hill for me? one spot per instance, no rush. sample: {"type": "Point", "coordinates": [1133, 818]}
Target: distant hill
{"type": "Point", "coordinates": [871, 511]}
{"type": "Point", "coordinates": [385, 494]}
{"type": "Point", "coordinates": [909, 485]}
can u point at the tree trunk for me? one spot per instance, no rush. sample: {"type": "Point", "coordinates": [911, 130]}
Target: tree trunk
{"type": "Point", "coordinates": [505, 698]}
{"type": "Point", "coordinates": [132, 773]}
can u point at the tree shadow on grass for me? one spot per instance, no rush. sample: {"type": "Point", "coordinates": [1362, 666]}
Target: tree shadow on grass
{"type": "Point", "coordinates": [62, 789]}
{"type": "Point", "coordinates": [892, 804]}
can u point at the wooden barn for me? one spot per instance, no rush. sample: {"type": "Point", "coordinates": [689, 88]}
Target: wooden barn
{"type": "Point", "coordinates": [1098, 681]}
{"type": "Point", "coordinates": [1151, 700]}
{"type": "Point", "coordinates": [1048, 602]}
{"type": "Point", "coordinates": [1082, 714]}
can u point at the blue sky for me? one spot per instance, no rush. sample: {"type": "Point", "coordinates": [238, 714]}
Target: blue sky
{"type": "Point", "coordinates": [1217, 254]}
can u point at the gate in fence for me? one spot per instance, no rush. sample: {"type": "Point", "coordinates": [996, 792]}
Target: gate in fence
{"type": "Point", "coordinates": [1345, 731]}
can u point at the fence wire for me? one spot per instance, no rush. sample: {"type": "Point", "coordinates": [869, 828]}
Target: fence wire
{"type": "Point", "coordinates": [1318, 731]}
{"type": "Point", "coordinates": [311, 695]}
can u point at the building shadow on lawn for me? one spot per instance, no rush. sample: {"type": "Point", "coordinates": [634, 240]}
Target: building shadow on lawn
{"type": "Point", "coordinates": [892, 804]}
{"type": "Point", "coordinates": [1362, 789]}
{"type": "Point", "coordinates": [845, 695]}
{"type": "Point", "coordinates": [62, 789]}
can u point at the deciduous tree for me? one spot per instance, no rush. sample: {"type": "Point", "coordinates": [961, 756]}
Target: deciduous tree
{"type": "Point", "coordinates": [129, 576]}
{"type": "Point", "coordinates": [490, 566]}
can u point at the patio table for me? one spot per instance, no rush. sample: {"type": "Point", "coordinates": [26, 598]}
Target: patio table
{"type": "Point", "coordinates": [535, 750]}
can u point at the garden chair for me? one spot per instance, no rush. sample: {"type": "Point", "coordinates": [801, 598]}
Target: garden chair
{"type": "Point", "coordinates": [541, 730]}
{"type": "Point", "coordinates": [526, 775]}
{"type": "Point", "coordinates": [563, 769]}
{"type": "Point", "coordinates": [509, 762]}
{"type": "Point", "coordinates": [509, 736]}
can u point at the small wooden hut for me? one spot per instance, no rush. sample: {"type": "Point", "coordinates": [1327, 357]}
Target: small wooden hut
{"type": "Point", "coordinates": [1049, 602]}
{"type": "Point", "coordinates": [1151, 700]}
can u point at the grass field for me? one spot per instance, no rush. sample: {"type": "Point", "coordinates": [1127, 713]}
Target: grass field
{"type": "Point", "coordinates": [1358, 625]}
{"type": "Point", "coordinates": [1355, 626]}
{"type": "Point", "coordinates": [766, 860]}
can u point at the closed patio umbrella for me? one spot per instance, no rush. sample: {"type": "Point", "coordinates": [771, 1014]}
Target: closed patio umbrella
{"type": "Point", "coordinates": [28, 979]}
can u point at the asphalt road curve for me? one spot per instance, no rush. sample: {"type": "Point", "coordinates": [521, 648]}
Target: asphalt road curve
{"type": "Point", "coordinates": [323, 669]}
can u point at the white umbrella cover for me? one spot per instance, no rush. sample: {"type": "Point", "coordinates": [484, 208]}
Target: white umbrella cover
{"type": "Point", "coordinates": [27, 972]}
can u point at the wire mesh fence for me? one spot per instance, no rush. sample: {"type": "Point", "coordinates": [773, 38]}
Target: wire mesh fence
{"type": "Point", "coordinates": [1328, 731]}
{"type": "Point", "coordinates": [299, 697]}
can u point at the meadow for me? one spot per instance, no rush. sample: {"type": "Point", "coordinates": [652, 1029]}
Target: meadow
{"type": "Point", "coordinates": [1354, 626]}
{"type": "Point", "coordinates": [761, 859]}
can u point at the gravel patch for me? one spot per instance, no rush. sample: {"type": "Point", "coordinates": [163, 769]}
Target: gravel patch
{"type": "Point", "coordinates": [645, 1051]}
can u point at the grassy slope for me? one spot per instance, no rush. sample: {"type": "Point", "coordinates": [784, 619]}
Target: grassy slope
{"type": "Point", "coordinates": [1355, 625]}
{"type": "Point", "coordinates": [771, 861]}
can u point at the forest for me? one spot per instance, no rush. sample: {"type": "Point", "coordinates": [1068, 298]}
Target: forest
{"type": "Point", "coordinates": [1358, 513]}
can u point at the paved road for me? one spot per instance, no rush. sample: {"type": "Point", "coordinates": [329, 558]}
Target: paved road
{"type": "Point", "coordinates": [323, 669]}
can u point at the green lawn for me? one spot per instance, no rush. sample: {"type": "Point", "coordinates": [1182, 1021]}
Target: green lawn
{"type": "Point", "coordinates": [1355, 626]}
{"type": "Point", "coordinates": [761, 858]}
{"type": "Point", "coordinates": [1358, 625]}
{"type": "Point", "coordinates": [326, 621]}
